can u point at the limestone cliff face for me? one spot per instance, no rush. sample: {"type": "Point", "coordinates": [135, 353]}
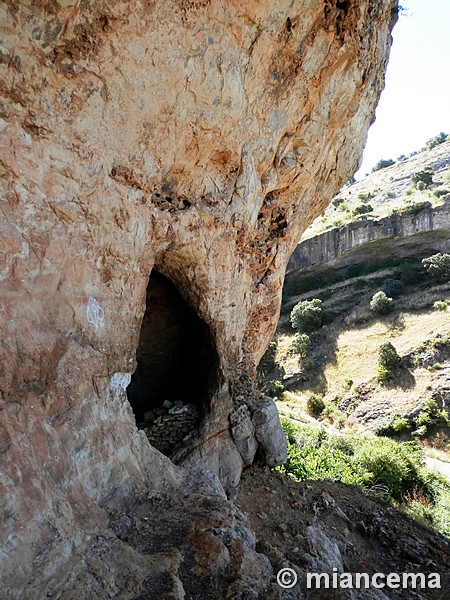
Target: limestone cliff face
{"type": "Point", "coordinates": [195, 138]}
{"type": "Point", "coordinates": [415, 231]}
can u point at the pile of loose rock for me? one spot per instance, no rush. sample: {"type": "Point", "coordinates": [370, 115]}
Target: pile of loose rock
{"type": "Point", "coordinates": [168, 425]}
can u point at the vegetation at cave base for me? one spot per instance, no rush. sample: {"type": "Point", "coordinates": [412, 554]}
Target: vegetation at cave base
{"type": "Point", "coordinates": [382, 466]}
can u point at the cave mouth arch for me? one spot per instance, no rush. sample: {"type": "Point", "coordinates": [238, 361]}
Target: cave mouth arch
{"type": "Point", "coordinates": [177, 368]}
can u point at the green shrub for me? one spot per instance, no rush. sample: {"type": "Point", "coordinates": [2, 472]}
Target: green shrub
{"type": "Point", "coordinates": [431, 415]}
{"type": "Point", "coordinates": [348, 383]}
{"type": "Point", "coordinates": [362, 209]}
{"type": "Point", "coordinates": [365, 196]}
{"type": "Point", "coordinates": [388, 356]}
{"type": "Point", "coordinates": [382, 164]}
{"type": "Point", "coordinates": [274, 388]}
{"type": "Point", "coordinates": [396, 466]}
{"type": "Point", "coordinates": [415, 208]}
{"type": "Point", "coordinates": [381, 304]}
{"type": "Point", "coordinates": [385, 375]}
{"type": "Point", "coordinates": [440, 343]}
{"type": "Point", "coordinates": [422, 431]}
{"type": "Point", "coordinates": [267, 362]}
{"type": "Point", "coordinates": [291, 430]}
{"type": "Point", "coordinates": [334, 415]}
{"type": "Point", "coordinates": [344, 443]}
{"type": "Point", "coordinates": [361, 460]}
{"type": "Point", "coordinates": [440, 305]}
{"type": "Point", "coordinates": [438, 266]}
{"type": "Point", "coordinates": [393, 287]}
{"type": "Point", "coordinates": [315, 405]}
{"type": "Point", "coordinates": [388, 360]}
{"type": "Point", "coordinates": [436, 140]}
{"type": "Point", "coordinates": [394, 426]}
{"type": "Point", "coordinates": [307, 316]}
{"type": "Point", "coordinates": [400, 425]}
{"type": "Point", "coordinates": [301, 344]}
{"type": "Point", "coordinates": [439, 510]}
{"type": "Point", "coordinates": [422, 179]}
{"type": "Point", "coordinates": [409, 272]}
{"type": "Point", "coordinates": [439, 192]}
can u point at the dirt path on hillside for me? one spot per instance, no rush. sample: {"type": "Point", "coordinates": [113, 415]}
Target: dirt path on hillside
{"type": "Point", "coordinates": [435, 464]}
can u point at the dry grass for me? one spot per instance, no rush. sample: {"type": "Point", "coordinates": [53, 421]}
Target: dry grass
{"type": "Point", "coordinates": [290, 361]}
{"type": "Point", "coordinates": [442, 452]}
{"type": "Point", "coordinates": [357, 345]}
{"type": "Point", "coordinates": [355, 358]}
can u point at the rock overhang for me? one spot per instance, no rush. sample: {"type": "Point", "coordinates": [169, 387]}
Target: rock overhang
{"type": "Point", "coordinates": [196, 138]}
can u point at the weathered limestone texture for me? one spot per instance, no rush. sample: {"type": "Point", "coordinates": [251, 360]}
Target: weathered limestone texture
{"type": "Point", "coordinates": [415, 231]}
{"type": "Point", "coordinates": [195, 138]}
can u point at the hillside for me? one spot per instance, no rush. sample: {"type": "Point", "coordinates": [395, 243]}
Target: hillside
{"type": "Point", "coordinates": [341, 363]}
{"type": "Point", "coordinates": [384, 216]}
{"type": "Point", "coordinates": [328, 382]}
{"type": "Point", "coordinates": [388, 190]}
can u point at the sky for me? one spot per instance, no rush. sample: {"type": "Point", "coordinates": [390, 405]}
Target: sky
{"type": "Point", "coordinates": [415, 103]}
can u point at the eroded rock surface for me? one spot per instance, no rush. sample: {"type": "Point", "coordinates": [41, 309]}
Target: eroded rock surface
{"type": "Point", "coordinates": [195, 138]}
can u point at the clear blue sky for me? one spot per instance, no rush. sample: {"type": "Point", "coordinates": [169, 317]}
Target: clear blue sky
{"type": "Point", "coordinates": [415, 104]}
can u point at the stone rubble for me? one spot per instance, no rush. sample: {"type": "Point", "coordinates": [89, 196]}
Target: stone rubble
{"type": "Point", "coordinates": [166, 428]}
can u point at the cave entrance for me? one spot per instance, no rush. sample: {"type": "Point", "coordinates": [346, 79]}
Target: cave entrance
{"type": "Point", "coordinates": [177, 368]}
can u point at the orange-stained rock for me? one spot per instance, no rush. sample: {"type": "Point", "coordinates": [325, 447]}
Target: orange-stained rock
{"type": "Point", "coordinates": [196, 138]}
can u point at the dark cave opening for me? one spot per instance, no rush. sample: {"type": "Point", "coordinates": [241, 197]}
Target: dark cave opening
{"type": "Point", "coordinates": [177, 368]}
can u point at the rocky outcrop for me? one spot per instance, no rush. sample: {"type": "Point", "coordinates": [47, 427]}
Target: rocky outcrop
{"type": "Point", "coordinates": [415, 231]}
{"type": "Point", "coordinates": [197, 139]}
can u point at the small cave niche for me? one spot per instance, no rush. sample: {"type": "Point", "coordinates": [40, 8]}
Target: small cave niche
{"type": "Point", "coordinates": [177, 368]}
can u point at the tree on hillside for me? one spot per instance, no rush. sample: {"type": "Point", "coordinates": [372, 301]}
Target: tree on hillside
{"type": "Point", "coordinates": [388, 361]}
{"type": "Point", "coordinates": [267, 362]}
{"type": "Point", "coordinates": [436, 140]}
{"type": "Point", "coordinates": [307, 316]}
{"type": "Point", "coordinates": [422, 179]}
{"type": "Point", "coordinates": [388, 356]}
{"type": "Point", "coordinates": [301, 344]}
{"type": "Point", "coordinates": [383, 163]}
{"type": "Point", "coordinates": [381, 304]}
{"type": "Point", "coordinates": [438, 266]}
